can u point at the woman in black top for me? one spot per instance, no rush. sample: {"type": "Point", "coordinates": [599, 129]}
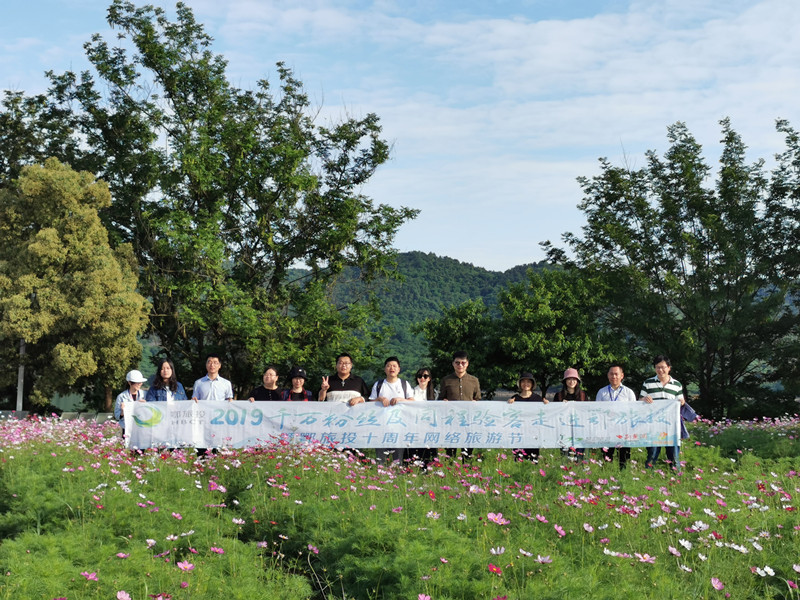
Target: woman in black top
{"type": "Point", "coordinates": [269, 391]}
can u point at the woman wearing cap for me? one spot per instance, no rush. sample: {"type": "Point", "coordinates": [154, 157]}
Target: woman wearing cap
{"type": "Point", "coordinates": [269, 391]}
{"type": "Point", "coordinates": [571, 392]}
{"type": "Point", "coordinates": [134, 393]}
{"type": "Point", "coordinates": [297, 392]}
{"type": "Point", "coordinates": [526, 383]}
{"type": "Point", "coordinates": [166, 386]}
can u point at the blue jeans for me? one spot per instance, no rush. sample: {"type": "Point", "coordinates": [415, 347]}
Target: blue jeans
{"type": "Point", "coordinates": [673, 455]}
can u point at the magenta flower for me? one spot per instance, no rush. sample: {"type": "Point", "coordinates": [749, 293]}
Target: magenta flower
{"type": "Point", "coordinates": [185, 565]}
{"type": "Point", "coordinates": [313, 549]}
{"type": "Point", "coordinates": [717, 584]}
{"type": "Point", "coordinates": [791, 584]}
{"type": "Point", "coordinates": [495, 569]}
{"type": "Point", "coordinates": [217, 550]}
{"type": "Point", "coordinates": [90, 576]}
{"type": "Point", "coordinates": [177, 516]}
{"type": "Point", "coordinates": [541, 519]}
{"type": "Point", "coordinates": [443, 559]}
{"type": "Point", "coordinates": [399, 509]}
{"type": "Point", "coordinates": [184, 584]}
{"type": "Point", "coordinates": [122, 555]}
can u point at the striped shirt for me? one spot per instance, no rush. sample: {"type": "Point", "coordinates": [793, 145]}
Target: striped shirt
{"type": "Point", "coordinates": [672, 390]}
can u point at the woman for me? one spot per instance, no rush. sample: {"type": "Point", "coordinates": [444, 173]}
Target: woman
{"type": "Point", "coordinates": [166, 386]}
{"type": "Point", "coordinates": [268, 392]}
{"type": "Point", "coordinates": [423, 392]}
{"type": "Point", "coordinates": [571, 392]}
{"type": "Point", "coordinates": [571, 388]}
{"type": "Point", "coordinates": [424, 389]}
{"type": "Point", "coordinates": [134, 393]}
{"type": "Point", "coordinates": [526, 383]}
{"type": "Point", "coordinates": [297, 392]}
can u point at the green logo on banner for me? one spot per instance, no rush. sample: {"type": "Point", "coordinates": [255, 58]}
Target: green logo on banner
{"type": "Point", "coordinates": [155, 417]}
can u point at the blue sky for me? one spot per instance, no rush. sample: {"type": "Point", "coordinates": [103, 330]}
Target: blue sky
{"type": "Point", "coordinates": [493, 108]}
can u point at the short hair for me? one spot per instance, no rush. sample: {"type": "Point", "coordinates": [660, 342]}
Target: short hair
{"type": "Point", "coordinates": [390, 359]}
{"type": "Point", "coordinates": [616, 364]}
{"type": "Point", "coordinates": [460, 354]}
{"type": "Point", "coordinates": [270, 367]}
{"type": "Point", "coordinates": [344, 355]}
{"type": "Point", "coordinates": [661, 358]}
{"type": "Point", "coordinates": [210, 356]}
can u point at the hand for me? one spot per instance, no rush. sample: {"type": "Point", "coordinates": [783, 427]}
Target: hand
{"type": "Point", "coordinates": [384, 401]}
{"type": "Point", "coordinates": [251, 399]}
{"type": "Point", "coordinates": [354, 401]}
{"type": "Point", "coordinates": [545, 400]}
{"type": "Point", "coordinates": [325, 385]}
{"type": "Point", "coordinates": [647, 399]}
{"type": "Point", "coordinates": [511, 400]}
{"type": "Point", "coordinates": [194, 399]}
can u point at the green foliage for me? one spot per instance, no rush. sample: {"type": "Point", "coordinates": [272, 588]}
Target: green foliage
{"type": "Point", "coordinates": [705, 275]}
{"type": "Point", "coordinates": [62, 288]}
{"type": "Point", "coordinates": [221, 193]}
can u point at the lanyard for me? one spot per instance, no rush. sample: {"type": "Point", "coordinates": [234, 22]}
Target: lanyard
{"type": "Point", "coordinates": [612, 396]}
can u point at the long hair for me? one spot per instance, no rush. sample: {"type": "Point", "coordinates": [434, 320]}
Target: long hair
{"type": "Point", "coordinates": [430, 392]}
{"type": "Point", "coordinates": [171, 383]}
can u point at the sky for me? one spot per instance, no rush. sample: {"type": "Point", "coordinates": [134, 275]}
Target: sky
{"type": "Point", "coordinates": [493, 108]}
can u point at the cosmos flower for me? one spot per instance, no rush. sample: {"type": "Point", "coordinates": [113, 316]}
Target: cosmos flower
{"type": "Point", "coordinates": [717, 584]}
{"type": "Point", "coordinates": [495, 569]}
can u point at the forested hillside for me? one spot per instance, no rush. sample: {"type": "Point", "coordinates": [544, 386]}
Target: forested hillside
{"type": "Point", "coordinates": [429, 282]}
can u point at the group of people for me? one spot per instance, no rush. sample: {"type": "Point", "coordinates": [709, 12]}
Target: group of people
{"type": "Point", "coordinates": [343, 386]}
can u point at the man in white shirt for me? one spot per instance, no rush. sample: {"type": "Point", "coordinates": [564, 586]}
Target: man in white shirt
{"type": "Point", "coordinates": [212, 386]}
{"type": "Point", "coordinates": [388, 392]}
{"type": "Point", "coordinates": [616, 392]}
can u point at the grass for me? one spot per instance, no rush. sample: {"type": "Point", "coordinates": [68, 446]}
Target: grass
{"type": "Point", "coordinates": [81, 518]}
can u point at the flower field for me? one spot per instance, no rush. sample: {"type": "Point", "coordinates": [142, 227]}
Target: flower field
{"type": "Point", "coordinates": [81, 517]}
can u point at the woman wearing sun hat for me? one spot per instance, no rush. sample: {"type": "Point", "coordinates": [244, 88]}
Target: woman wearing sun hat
{"type": "Point", "coordinates": [134, 393]}
{"type": "Point", "coordinates": [525, 384]}
{"type": "Point", "coordinates": [571, 392]}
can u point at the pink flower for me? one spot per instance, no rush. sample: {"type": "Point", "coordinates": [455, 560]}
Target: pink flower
{"type": "Point", "coordinates": [495, 569]}
{"type": "Point", "coordinates": [674, 551]}
{"type": "Point", "coordinates": [313, 549]}
{"type": "Point", "coordinates": [177, 516]}
{"type": "Point", "coordinates": [588, 528]}
{"type": "Point", "coordinates": [423, 597]}
{"type": "Point", "coordinates": [186, 566]}
{"type": "Point", "coordinates": [89, 576]}
{"type": "Point", "coordinates": [497, 518]}
{"type": "Point", "coordinates": [184, 584]}
{"type": "Point", "coordinates": [559, 530]}
{"type": "Point", "coordinates": [717, 584]}
{"type": "Point", "coordinates": [545, 560]}
{"type": "Point", "coordinates": [122, 555]}
{"type": "Point", "coordinates": [217, 550]}
{"type": "Point", "coordinates": [791, 584]}
{"type": "Point", "coordinates": [399, 509]}
{"type": "Point", "coordinates": [123, 595]}
{"type": "Point", "coordinates": [645, 558]}
{"type": "Point", "coordinates": [541, 519]}
{"type": "Point", "coordinates": [443, 559]}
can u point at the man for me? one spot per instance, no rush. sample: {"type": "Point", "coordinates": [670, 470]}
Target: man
{"type": "Point", "coordinates": [459, 385]}
{"type": "Point", "coordinates": [344, 386]}
{"type": "Point", "coordinates": [390, 391]}
{"type": "Point", "coordinates": [616, 392]}
{"type": "Point", "coordinates": [662, 387]}
{"type": "Point", "coordinates": [212, 386]}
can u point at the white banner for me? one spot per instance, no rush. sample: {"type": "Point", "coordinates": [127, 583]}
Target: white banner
{"type": "Point", "coordinates": [485, 424]}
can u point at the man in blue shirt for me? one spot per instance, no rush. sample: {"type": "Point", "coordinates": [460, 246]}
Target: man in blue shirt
{"type": "Point", "coordinates": [212, 386]}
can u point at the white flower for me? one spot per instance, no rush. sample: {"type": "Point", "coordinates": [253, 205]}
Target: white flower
{"type": "Point", "coordinates": [685, 568]}
{"type": "Point", "coordinates": [757, 546]}
{"type": "Point", "coordinates": [686, 544]}
{"type": "Point", "coordinates": [769, 570]}
{"type": "Point", "coordinates": [701, 556]}
{"type": "Point", "coordinates": [462, 517]}
{"type": "Point", "coordinates": [497, 551]}
{"type": "Point", "coordinates": [525, 552]}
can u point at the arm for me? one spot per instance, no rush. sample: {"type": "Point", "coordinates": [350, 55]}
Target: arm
{"type": "Point", "coordinates": [323, 390]}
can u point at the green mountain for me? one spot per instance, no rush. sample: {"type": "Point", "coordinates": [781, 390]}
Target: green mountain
{"type": "Point", "coordinates": [429, 283]}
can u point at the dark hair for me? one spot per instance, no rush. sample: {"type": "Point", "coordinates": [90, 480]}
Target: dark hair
{"type": "Point", "coordinates": [217, 356]}
{"type": "Point", "coordinates": [616, 364]}
{"type": "Point", "coordinates": [430, 392]}
{"type": "Point", "coordinates": [268, 367]}
{"type": "Point", "coordinates": [345, 355]}
{"type": "Point", "coordinates": [390, 359]}
{"type": "Point", "coordinates": [171, 383]}
{"type": "Point", "coordinates": [460, 354]}
{"type": "Point", "coordinates": [661, 358]}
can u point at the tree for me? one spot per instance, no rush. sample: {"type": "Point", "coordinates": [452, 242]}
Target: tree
{"type": "Point", "coordinates": [706, 275]}
{"type": "Point", "coordinates": [221, 192]}
{"type": "Point", "coordinates": [551, 323]}
{"type": "Point", "coordinates": [63, 290]}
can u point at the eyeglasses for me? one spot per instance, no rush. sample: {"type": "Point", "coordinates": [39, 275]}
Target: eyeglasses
{"type": "Point", "coordinates": [460, 362]}
{"type": "Point", "coordinates": [424, 376]}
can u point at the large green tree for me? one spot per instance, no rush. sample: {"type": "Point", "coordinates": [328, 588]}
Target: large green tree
{"type": "Point", "coordinates": [63, 290]}
{"type": "Point", "coordinates": [222, 191]}
{"type": "Point", "coordinates": [703, 272]}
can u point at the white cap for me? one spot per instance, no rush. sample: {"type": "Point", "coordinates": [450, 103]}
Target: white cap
{"type": "Point", "coordinates": [135, 377]}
